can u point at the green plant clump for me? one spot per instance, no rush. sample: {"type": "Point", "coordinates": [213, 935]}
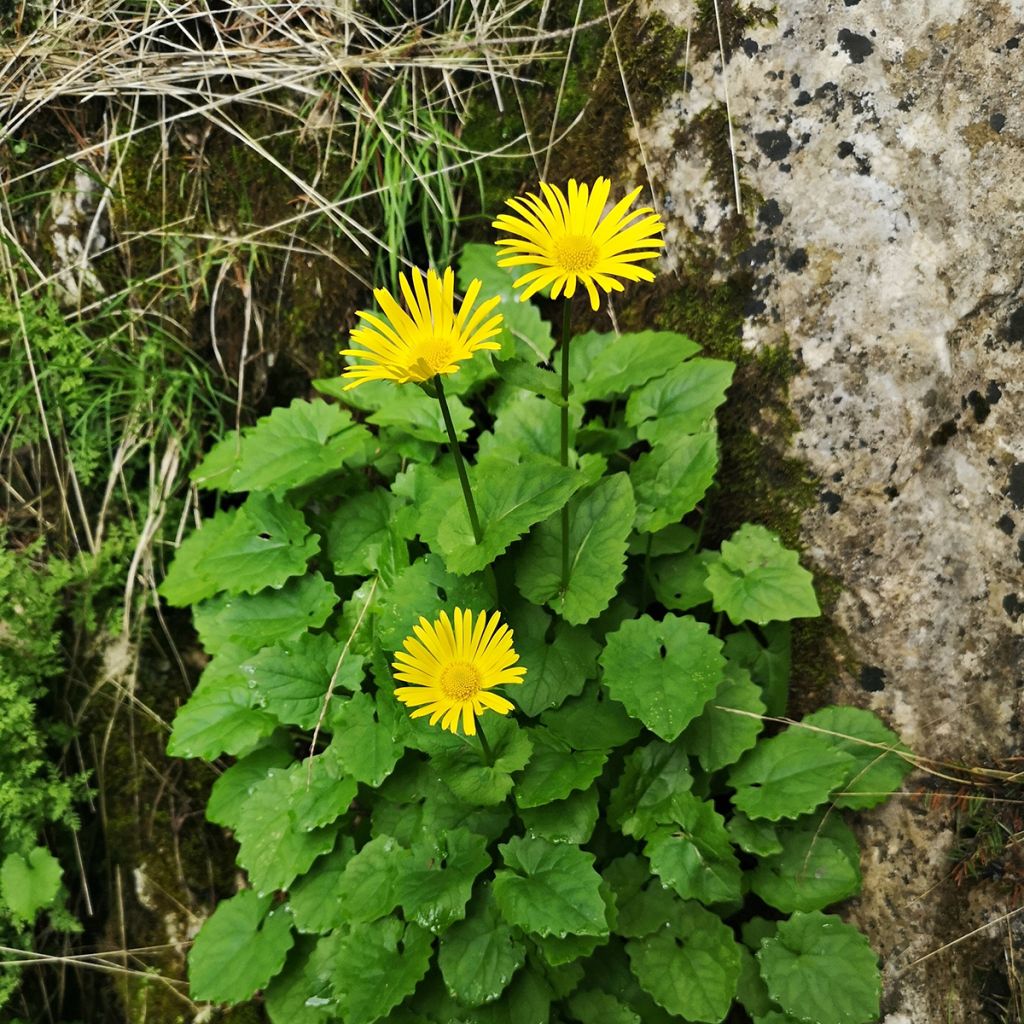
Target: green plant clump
{"type": "Point", "coordinates": [33, 795]}
{"type": "Point", "coordinates": [635, 843]}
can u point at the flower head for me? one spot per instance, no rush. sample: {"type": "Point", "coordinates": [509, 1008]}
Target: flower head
{"type": "Point", "coordinates": [453, 670]}
{"type": "Point", "coordinates": [570, 239]}
{"type": "Point", "coordinates": [428, 339]}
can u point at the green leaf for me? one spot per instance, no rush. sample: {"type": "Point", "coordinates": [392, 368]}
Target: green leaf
{"type": "Point", "coordinates": [528, 427]}
{"type": "Point", "coordinates": [240, 947]}
{"type": "Point", "coordinates": [259, 620]}
{"type": "Point", "coordinates": [415, 803]}
{"type": "Point", "coordinates": [532, 378]}
{"type": "Point", "coordinates": [819, 864]}
{"type": "Point", "coordinates": [29, 884]}
{"type": "Point", "coordinates": [479, 956]}
{"type": "Point", "coordinates": [320, 792]}
{"type": "Point", "coordinates": [690, 966]}
{"type": "Point", "coordinates": [757, 837]}
{"type": "Point", "coordinates": [414, 412]}
{"type": "Point", "coordinates": [363, 745]}
{"type": "Point", "coordinates": [274, 849]}
{"type": "Point", "coordinates": [676, 539]}
{"type": "Point", "coordinates": [653, 775]}
{"type": "Point", "coordinates": [594, 1007]}
{"type": "Point", "coordinates": [549, 889]}
{"type": "Point", "coordinates": [509, 499]}
{"type": "Point", "coordinates": [300, 994]}
{"type": "Point", "coordinates": [719, 737]}
{"type": "Point", "coordinates": [769, 666]}
{"type": "Point", "coordinates": [591, 721]}
{"type": "Point", "coordinates": [377, 965]}
{"type": "Point", "coordinates": [663, 672]}
{"type": "Point", "coordinates": [558, 659]}
{"type": "Point", "coordinates": [369, 886]}
{"type": "Point", "coordinates": [438, 878]}
{"type": "Point", "coordinates": [524, 330]}
{"type": "Point", "coordinates": [820, 969]}
{"type": "Point", "coordinates": [671, 479]}
{"type": "Point", "coordinates": [679, 582]}
{"type": "Point", "coordinates": [608, 970]}
{"type": "Point", "coordinates": [630, 360]}
{"type": "Point", "coordinates": [643, 903]}
{"type": "Point", "coordinates": [599, 526]}
{"type": "Point", "coordinates": [695, 858]}
{"type": "Point", "coordinates": [751, 990]}
{"type": "Point", "coordinates": [219, 718]}
{"type": "Point", "coordinates": [463, 771]}
{"type": "Point", "coordinates": [291, 446]}
{"type": "Point", "coordinates": [555, 771]}
{"type": "Point", "coordinates": [292, 678]}
{"type": "Point", "coordinates": [314, 899]}
{"type": "Point", "coordinates": [231, 790]}
{"type": "Point", "coordinates": [570, 820]}
{"type": "Point", "coordinates": [361, 538]}
{"type": "Point", "coordinates": [681, 401]}
{"type": "Point", "coordinates": [788, 775]}
{"type": "Point", "coordinates": [759, 580]}
{"type": "Point", "coordinates": [876, 773]}
{"type": "Point", "coordinates": [261, 544]}
{"type": "Point", "coordinates": [425, 588]}
{"type": "Point", "coordinates": [527, 1000]}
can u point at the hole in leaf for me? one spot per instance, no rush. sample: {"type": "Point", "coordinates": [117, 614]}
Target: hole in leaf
{"type": "Point", "coordinates": [264, 535]}
{"type": "Point", "coordinates": [662, 651]}
{"type": "Point", "coordinates": [400, 948]}
{"type": "Point", "coordinates": [443, 594]}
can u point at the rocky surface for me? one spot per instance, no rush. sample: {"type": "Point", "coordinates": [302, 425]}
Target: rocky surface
{"type": "Point", "coordinates": [884, 142]}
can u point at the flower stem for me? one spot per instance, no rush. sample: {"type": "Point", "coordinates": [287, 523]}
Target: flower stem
{"type": "Point", "coordinates": [485, 746]}
{"type": "Point", "coordinates": [566, 318]}
{"type": "Point", "coordinates": [453, 443]}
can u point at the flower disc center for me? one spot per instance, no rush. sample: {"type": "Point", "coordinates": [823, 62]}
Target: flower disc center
{"type": "Point", "coordinates": [431, 356]}
{"type": "Point", "coordinates": [575, 253]}
{"type": "Point", "coordinates": [459, 680]}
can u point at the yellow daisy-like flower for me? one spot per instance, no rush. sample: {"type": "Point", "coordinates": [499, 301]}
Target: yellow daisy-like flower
{"type": "Point", "coordinates": [428, 339]}
{"type": "Point", "coordinates": [453, 670]}
{"type": "Point", "coordinates": [570, 239]}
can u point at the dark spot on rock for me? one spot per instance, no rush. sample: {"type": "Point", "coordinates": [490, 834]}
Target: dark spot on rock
{"type": "Point", "coordinates": [907, 102]}
{"type": "Point", "coordinates": [794, 80]}
{"type": "Point", "coordinates": [1013, 43]}
{"type": "Point", "coordinates": [851, 3]}
{"type": "Point", "coordinates": [785, 168]}
{"type": "Point", "coordinates": [1020, 549]}
{"type": "Point", "coordinates": [856, 46]}
{"type": "Point", "coordinates": [844, 149]}
{"type": "Point", "coordinates": [770, 215]}
{"type": "Point", "coordinates": [993, 392]}
{"type": "Point", "coordinates": [1015, 488]}
{"type": "Point", "coordinates": [872, 678]}
{"type": "Point", "coordinates": [1006, 524]}
{"type": "Point", "coordinates": [754, 307]}
{"type": "Point", "coordinates": [831, 501]}
{"type": "Point", "coordinates": [803, 99]}
{"type": "Point", "coordinates": [1015, 325]}
{"type": "Point", "coordinates": [1013, 606]}
{"type": "Point", "coordinates": [757, 255]}
{"type": "Point", "coordinates": [750, 47]}
{"type": "Point", "coordinates": [797, 260]}
{"type": "Point", "coordinates": [944, 433]}
{"type": "Point", "coordinates": [891, 492]}
{"type": "Point", "coordinates": [979, 406]}
{"type": "Point", "coordinates": [997, 122]}
{"type": "Point", "coordinates": [775, 144]}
